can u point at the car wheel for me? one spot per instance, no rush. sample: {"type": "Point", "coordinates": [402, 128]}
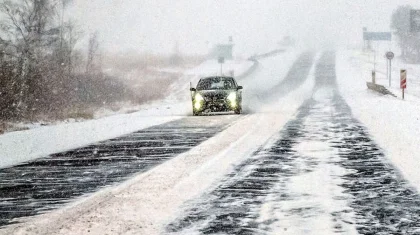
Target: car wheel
{"type": "Point", "coordinates": [238, 110]}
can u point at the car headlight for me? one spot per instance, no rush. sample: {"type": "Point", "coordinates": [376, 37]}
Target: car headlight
{"type": "Point", "coordinates": [198, 101]}
{"type": "Point", "coordinates": [197, 105]}
{"type": "Point", "coordinates": [198, 97]}
{"type": "Point", "coordinates": [232, 97]}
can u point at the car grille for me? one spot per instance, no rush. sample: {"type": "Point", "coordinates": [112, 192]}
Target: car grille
{"type": "Point", "coordinates": [215, 98]}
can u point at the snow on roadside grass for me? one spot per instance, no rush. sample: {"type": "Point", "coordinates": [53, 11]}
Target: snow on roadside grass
{"type": "Point", "coordinates": [21, 146]}
{"type": "Point", "coordinates": [366, 61]}
{"type": "Point", "coordinates": [394, 123]}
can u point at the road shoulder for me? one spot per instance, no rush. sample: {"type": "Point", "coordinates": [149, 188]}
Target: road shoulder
{"type": "Point", "coordinates": [392, 122]}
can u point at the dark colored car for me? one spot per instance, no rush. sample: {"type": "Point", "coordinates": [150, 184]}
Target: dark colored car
{"type": "Point", "coordinates": [217, 94]}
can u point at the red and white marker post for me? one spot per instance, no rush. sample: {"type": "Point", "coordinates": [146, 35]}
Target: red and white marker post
{"type": "Point", "coordinates": [403, 84]}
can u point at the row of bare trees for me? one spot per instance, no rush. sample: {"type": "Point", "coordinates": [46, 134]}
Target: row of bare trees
{"type": "Point", "coordinates": [41, 72]}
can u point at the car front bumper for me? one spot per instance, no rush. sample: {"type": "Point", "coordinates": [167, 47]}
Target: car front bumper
{"type": "Point", "coordinates": [214, 106]}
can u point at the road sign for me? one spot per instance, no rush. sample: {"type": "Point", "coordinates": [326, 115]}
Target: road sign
{"type": "Point", "coordinates": [415, 20]}
{"type": "Point", "coordinates": [403, 79]}
{"type": "Point", "coordinates": [377, 36]}
{"type": "Point", "coordinates": [390, 55]}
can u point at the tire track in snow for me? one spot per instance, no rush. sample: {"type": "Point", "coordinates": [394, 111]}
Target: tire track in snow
{"type": "Point", "coordinates": [296, 76]}
{"type": "Point", "coordinates": [321, 175]}
{"type": "Point", "coordinates": [384, 202]}
{"type": "Point", "coordinates": [252, 179]}
{"type": "Point", "coordinates": [254, 98]}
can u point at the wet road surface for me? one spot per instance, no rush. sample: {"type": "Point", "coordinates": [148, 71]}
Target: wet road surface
{"type": "Point", "coordinates": [44, 184]}
{"type": "Point", "coordinates": [322, 174]}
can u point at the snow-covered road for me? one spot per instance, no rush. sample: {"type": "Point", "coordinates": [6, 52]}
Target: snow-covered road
{"type": "Point", "coordinates": [323, 174]}
{"type": "Point", "coordinates": [298, 162]}
{"type": "Point", "coordinates": [46, 183]}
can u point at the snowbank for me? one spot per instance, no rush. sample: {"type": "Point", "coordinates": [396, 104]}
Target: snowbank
{"type": "Point", "coordinates": [21, 146]}
{"type": "Point", "coordinates": [394, 123]}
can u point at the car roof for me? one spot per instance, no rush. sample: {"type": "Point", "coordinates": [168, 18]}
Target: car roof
{"type": "Point", "coordinates": [217, 77]}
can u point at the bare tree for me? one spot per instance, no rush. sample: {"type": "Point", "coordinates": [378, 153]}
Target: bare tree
{"type": "Point", "coordinates": [28, 30]}
{"type": "Point", "coordinates": [63, 28]}
{"type": "Point", "coordinates": [93, 55]}
{"type": "Point", "coordinates": [38, 44]}
{"type": "Point", "coordinates": [41, 72]}
{"type": "Point", "coordinates": [409, 42]}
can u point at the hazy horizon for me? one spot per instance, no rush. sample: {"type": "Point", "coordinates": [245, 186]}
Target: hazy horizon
{"type": "Point", "coordinates": [156, 25]}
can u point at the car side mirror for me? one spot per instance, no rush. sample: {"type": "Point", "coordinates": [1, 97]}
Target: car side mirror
{"type": "Point", "coordinates": [240, 87]}
{"type": "Point", "coordinates": [192, 89]}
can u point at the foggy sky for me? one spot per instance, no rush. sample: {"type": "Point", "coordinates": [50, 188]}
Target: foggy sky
{"type": "Point", "coordinates": [155, 25]}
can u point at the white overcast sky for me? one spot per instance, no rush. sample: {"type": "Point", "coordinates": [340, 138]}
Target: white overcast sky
{"type": "Point", "coordinates": [155, 25]}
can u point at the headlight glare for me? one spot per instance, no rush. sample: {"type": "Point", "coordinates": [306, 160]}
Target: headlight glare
{"type": "Point", "coordinates": [232, 97]}
{"type": "Point", "coordinates": [198, 97]}
{"type": "Point", "coordinates": [197, 105]}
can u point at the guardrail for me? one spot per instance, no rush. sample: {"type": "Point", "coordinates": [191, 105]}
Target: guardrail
{"type": "Point", "coordinates": [268, 54]}
{"type": "Point", "coordinates": [256, 64]}
{"type": "Point", "coordinates": [379, 88]}
{"type": "Point", "coordinates": [250, 70]}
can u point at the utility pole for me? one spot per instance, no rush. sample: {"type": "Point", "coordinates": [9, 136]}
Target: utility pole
{"type": "Point", "coordinates": [221, 61]}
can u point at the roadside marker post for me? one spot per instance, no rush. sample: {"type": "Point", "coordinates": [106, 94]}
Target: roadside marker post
{"type": "Point", "coordinates": [373, 77]}
{"type": "Point", "coordinates": [403, 84]}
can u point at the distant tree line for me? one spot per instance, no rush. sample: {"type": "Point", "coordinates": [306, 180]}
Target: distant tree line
{"type": "Point", "coordinates": [41, 72]}
{"type": "Point", "coordinates": [409, 42]}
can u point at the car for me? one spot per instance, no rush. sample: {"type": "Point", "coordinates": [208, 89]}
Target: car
{"type": "Point", "coordinates": [216, 94]}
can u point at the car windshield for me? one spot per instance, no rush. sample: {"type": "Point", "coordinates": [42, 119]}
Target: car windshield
{"type": "Point", "coordinates": [216, 83]}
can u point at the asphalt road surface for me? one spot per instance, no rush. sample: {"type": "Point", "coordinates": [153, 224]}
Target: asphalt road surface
{"type": "Point", "coordinates": [38, 186]}
{"type": "Point", "coordinates": [322, 173]}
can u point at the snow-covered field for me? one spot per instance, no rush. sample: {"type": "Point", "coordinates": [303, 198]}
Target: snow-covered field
{"type": "Point", "coordinates": [394, 123]}
{"type": "Point", "coordinates": [367, 62]}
